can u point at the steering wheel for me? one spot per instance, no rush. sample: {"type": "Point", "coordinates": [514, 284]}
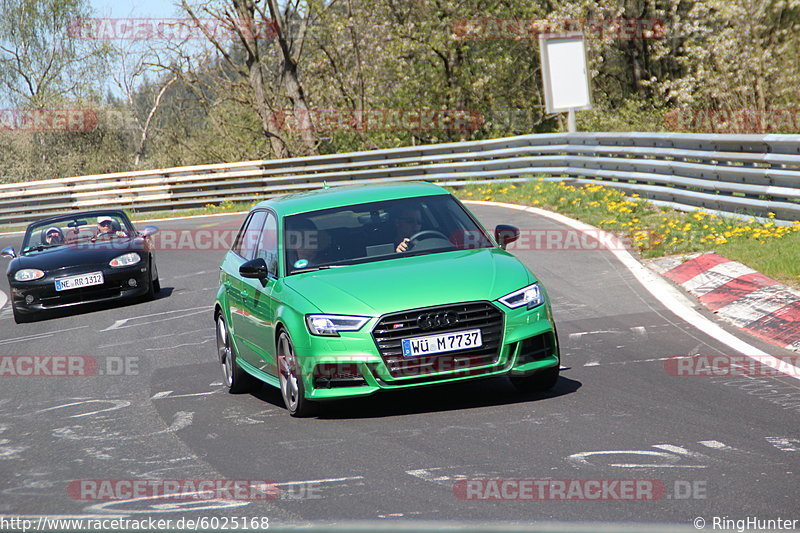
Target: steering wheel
{"type": "Point", "coordinates": [425, 234]}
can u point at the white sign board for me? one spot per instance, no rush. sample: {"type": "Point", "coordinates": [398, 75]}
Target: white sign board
{"type": "Point", "coordinates": [566, 77]}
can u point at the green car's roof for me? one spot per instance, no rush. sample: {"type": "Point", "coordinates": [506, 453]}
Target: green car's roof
{"type": "Point", "coordinates": [348, 195]}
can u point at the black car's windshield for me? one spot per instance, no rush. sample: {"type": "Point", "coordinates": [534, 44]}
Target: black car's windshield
{"type": "Point", "coordinates": [74, 229]}
{"type": "Point", "coordinates": [377, 231]}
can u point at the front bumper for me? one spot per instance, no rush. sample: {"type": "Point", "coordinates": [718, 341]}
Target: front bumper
{"type": "Point", "coordinates": [41, 295]}
{"type": "Point", "coordinates": [351, 365]}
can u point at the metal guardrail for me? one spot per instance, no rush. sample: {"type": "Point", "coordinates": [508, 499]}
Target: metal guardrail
{"type": "Point", "coordinates": [752, 174]}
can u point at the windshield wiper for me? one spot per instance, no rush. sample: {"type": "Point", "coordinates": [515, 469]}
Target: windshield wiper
{"type": "Point", "coordinates": [312, 269]}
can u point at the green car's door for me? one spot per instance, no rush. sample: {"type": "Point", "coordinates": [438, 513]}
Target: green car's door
{"type": "Point", "coordinates": [257, 329]}
{"type": "Point", "coordinates": [244, 249]}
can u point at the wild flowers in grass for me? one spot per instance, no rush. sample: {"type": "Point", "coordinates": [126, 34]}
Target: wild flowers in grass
{"type": "Point", "coordinates": [653, 231]}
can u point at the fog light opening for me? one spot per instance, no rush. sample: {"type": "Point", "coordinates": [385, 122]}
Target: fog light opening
{"type": "Point", "coordinates": [132, 282]}
{"type": "Point", "coordinates": [335, 375]}
{"type": "Point", "coordinates": [29, 299]}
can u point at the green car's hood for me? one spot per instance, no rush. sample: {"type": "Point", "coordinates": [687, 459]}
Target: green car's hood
{"type": "Point", "coordinates": [411, 282]}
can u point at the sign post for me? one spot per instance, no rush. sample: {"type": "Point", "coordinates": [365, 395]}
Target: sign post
{"type": "Point", "coordinates": [565, 75]}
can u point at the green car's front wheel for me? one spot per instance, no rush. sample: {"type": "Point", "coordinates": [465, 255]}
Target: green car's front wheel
{"type": "Point", "coordinates": [292, 388]}
{"type": "Point", "coordinates": [236, 379]}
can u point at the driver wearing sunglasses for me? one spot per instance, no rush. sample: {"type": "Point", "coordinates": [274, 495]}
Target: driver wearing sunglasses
{"type": "Point", "coordinates": [408, 222]}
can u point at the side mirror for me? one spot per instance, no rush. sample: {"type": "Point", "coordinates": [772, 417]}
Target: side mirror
{"type": "Point", "coordinates": [505, 234]}
{"type": "Point", "coordinates": [255, 268]}
{"type": "Point", "coordinates": [149, 230]}
{"type": "Point", "coordinates": [8, 252]}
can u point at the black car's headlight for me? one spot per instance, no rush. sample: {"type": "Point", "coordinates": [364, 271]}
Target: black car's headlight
{"type": "Point", "coordinates": [531, 296]}
{"type": "Point", "coordinates": [331, 325]}
{"type": "Point", "coordinates": [28, 274]}
{"type": "Point", "coordinates": [125, 260]}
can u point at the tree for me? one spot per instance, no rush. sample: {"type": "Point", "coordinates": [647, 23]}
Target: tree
{"type": "Point", "coordinates": [40, 62]}
{"type": "Point", "coordinates": [271, 80]}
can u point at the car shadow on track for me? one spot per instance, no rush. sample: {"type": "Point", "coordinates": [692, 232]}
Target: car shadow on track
{"type": "Point", "coordinates": [487, 392]}
{"type": "Point", "coordinates": [88, 308]}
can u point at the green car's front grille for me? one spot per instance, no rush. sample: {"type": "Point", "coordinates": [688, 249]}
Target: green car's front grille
{"type": "Point", "coordinates": [391, 329]}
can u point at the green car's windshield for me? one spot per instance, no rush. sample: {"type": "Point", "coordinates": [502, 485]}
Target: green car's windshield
{"type": "Point", "coordinates": [73, 229]}
{"type": "Point", "coordinates": [377, 231]}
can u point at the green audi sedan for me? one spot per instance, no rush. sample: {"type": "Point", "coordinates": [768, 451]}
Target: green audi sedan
{"type": "Point", "coordinates": [345, 291]}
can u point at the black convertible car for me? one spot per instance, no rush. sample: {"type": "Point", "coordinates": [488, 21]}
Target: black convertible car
{"type": "Point", "coordinates": [85, 257]}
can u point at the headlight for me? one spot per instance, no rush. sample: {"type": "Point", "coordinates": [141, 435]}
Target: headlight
{"type": "Point", "coordinates": [125, 260]}
{"type": "Point", "coordinates": [530, 296]}
{"type": "Point", "coordinates": [28, 274]}
{"type": "Point", "coordinates": [331, 325]}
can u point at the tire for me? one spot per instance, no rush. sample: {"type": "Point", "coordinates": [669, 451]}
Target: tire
{"type": "Point", "coordinates": [156, 283]}
{"type": "Point", "coordinates": [542, 381]}
{"type": "Point", "coordinates": [153, 286]}
{"type": "Point", "coordinates": [292, 388]}
{"type": "Point", "coordinates": [235, 379]}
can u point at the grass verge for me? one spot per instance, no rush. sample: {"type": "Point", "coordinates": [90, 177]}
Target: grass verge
{"type": "Point", "coordinates": [656, 231]}
{"type": "Point", "coordinates": [208, 209]}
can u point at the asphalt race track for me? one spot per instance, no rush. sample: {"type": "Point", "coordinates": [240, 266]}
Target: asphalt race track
{"type": "Point", "coordinates": [155, 409]}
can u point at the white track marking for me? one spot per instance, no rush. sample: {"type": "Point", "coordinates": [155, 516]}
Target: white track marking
{"type": "Point", "coordinates": [581, 458]}
{"type": "Point", "coordinates": [181, 420]}
{"type": "Point", "coordinates": [116, 404]}
{"type": "Point", "coordinates": [427, 475]}
{"type": "Point", "coordinates": [161, 394]}
{"type": "Point", "coordinates": [785, 444]}
{"type": "Point", "coordinates": [37, 336]}
{"type": "Point", "coordinates": [192, 274]}
{"type": "Point", "coordinates": [312, 481]}
{"type": "Point", "coordinates": [598, 363]}
{"type": "Point", "coordinates": [178, 346]}
{"type": "Point", "coordinates": [170, 396]}
{"type": "Point", "coordinates": [122, 323]}
{"type": "Point", "coordinates": [3, 299]}
{"type": "Point", "coordinates": [168, 506]}
{"type": "Point", "coordinates": [717, 445]}
{"type": "Point", "coordinates": [154, 337]}
{"type": "Point", "coordinates": [678, 450]}
{"type": "Point", "coordinates": [665, 293]}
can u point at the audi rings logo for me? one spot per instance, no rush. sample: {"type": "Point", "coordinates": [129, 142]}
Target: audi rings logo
{"type": "Point", "coordinates": [437, 320]}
